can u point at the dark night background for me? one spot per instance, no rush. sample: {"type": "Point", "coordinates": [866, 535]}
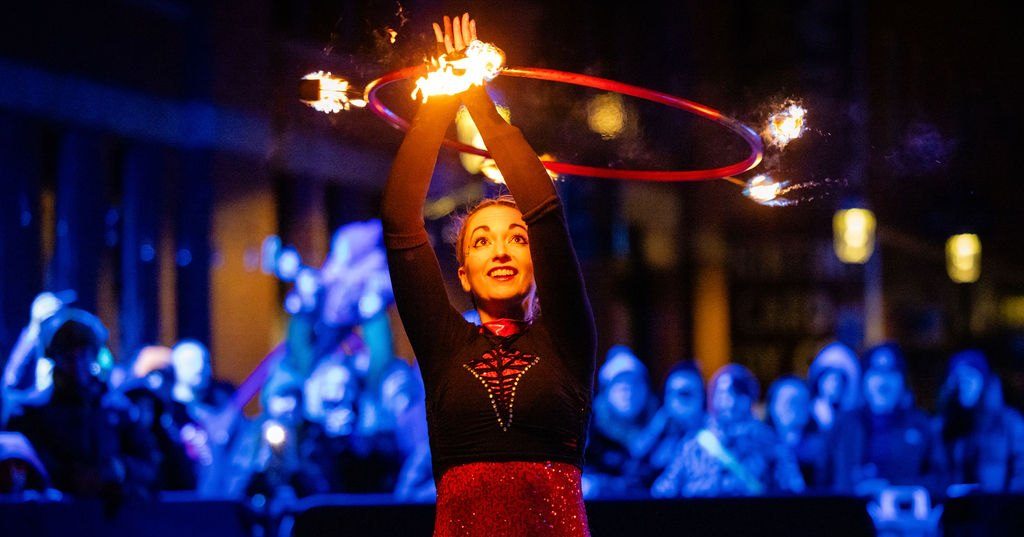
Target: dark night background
{"type": "Point", "coordinates": [148, 146]}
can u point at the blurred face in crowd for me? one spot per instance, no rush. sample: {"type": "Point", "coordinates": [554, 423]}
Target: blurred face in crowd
{"type": "Point", "coordinates": [970, 384]}
{"type": "Point", "coordinates": [790, 407]}
{"type": "Point", "coordinates": [189, 360]}
{"type": "Point", "coordinates": [337, 394]}
{"type": "Point", "coordinates": [730, 405]}
{"type": "Point", "coordinates": [627, 395]}
{"type": "Point", "coordinates": [335, 386]}
{"type": "Point", "coordinates": [883, 389]}
{"type": "Point", "coordinates": [74, 372]}
{"type": "Point", "coordinates": [282, 407]}
{"type": "Point", "coordinates": [497, 267]}
{"type": "Point", "coordinates": [832, 385]}
{"type": "Point", "coordinates": [684, 395]}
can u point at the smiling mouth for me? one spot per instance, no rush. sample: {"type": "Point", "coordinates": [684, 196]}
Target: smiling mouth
{"type": "Point", "coordinates": [502, 273]}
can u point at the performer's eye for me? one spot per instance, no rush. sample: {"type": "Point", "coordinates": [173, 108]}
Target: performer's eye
{"type": "Point", "coordinates": [480, 241]}
{"type": "Point", "coordinates": [519, 238]}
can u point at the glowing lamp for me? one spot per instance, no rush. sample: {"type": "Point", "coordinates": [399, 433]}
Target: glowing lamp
{"type": "Point", "coordinates": [606, 115]}
{"type": "Point", "coordinates": [963, 258]}
{"type": "Point", "coordinates": [274, 434]}
{"type": "Point", "coordinates": [854, 235]}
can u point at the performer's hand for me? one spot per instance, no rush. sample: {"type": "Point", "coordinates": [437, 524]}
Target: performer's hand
{"type": "Point", "coordinates": [457, 34]}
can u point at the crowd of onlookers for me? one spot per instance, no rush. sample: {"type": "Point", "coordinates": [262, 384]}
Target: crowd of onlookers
{"type": "Point", "coordinates": [850, 427]}
{"type": "Point", "coordinates": [340, 413]}
{"type": "Point", "coordinates": [349, 421]}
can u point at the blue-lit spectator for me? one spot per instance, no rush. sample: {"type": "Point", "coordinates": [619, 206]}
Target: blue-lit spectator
{"type": "Point", "coordinates": [789, 413]}
{"type": "Point", "coordinates": [834, 382]}
{"type": "Point", "coordinates": [679, 418]}
{"type": "Point", "coordinates": [889, 441]}
{"type": "Point", "coordinates": [201, 409]}
{"type": "Point", "coordinates": [26, 374]}
{"type": "Point", "coordinates": [89, 441]}
{"type": "Point", "coordinates": [735, 455]}
{"type": "Point", "coordinates": [194, 385]}
{"type": "Point", "coordinates": [623, 407]}
{"type": "Point", "coordinates": [275, 472]}
{"type": "Point", "coordinates": [981, 441]}
{"type": "Point", "coordinates": [348, 456]}
{"type": "Point", "coordinates": [150, 404]}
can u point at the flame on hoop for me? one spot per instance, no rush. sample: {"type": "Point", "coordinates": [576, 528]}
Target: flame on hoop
{"type": "Point", "coordinates": [786, 125]}
{"type": "Point", "coordinates": [328, 93]}
{"type": "Point", "coordinates": [763, 189]}
{"type": "Point", "coordinates": [481, 62]}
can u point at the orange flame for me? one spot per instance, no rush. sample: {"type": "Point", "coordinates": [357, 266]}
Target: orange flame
{"type": "Point", "coordinates": [763, 189]}
{"type": "Point", "coordinates": [334, 93]}
{"type": "Point", "coordinates": [482, 62]}
{"type": "Point", "coordinates": [786, 125]}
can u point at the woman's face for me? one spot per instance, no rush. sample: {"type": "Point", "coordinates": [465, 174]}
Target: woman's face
{"type": "Point", "coordinates": [684, 396]}
{"type": "Point", "coordinates": [790, 408]}
{"type": "Point", "coordinates": [729, 405]}
{"type": "Point", "coordinates": [832, 385]}
{"type": "Point", "coordinates": [970, 383]}
{"type": "Point", "coordinates": [627, 395]}
{"type": "Point", "coordinates": [497, 268]}
{"type": "Point", "coordinates": [883, 390]}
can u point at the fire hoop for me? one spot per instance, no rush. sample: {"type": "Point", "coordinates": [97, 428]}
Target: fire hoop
{"type": "Point", "coordinates": [749, 135]}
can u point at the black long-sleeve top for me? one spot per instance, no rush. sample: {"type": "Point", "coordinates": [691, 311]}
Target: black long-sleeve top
{"type": "Point", "coordinates": [525, 397]}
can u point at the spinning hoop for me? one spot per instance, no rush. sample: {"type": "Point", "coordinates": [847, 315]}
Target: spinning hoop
{"type": "Point", "coordinates": [751, 137]}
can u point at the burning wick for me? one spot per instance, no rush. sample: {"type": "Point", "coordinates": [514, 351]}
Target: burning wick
{"type": "Point", "coordinates": [763, 189]}
{"type": "Point", "coordinates": [786, 125]}
{"type": "Point", "coordinates": [481, 62]}
{"type": "Point", "coordinates": [328, 93]}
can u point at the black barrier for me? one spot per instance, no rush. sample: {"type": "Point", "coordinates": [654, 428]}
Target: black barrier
{"type": "Point", "coordinates": [983, 515]}
{"type": "Point", "coordinates": [167, 518]}
{"type": "Point", "coordinates": [786, 516]}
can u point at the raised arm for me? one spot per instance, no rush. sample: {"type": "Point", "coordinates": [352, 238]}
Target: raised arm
{"type": "Point", "coordinates": [420, 295]}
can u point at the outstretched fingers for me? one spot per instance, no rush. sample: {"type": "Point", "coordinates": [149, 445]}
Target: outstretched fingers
{"type": "Point", "coordinates": [438, 34]}
{"type": "Point", "coordinates": [467, 34]}
{"type": "Point", "coordinates": [448, 44]}
{"type": "Point", "coordinates": [456, 34]}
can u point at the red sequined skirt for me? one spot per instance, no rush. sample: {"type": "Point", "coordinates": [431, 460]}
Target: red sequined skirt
{"type": "Point", "coordinates": [511, 499]}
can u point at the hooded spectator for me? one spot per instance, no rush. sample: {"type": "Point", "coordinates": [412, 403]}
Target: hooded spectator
{"type": "Point", "coordinates": [980, 439]}
{"type": "Point", "coordinates": [736, 455]}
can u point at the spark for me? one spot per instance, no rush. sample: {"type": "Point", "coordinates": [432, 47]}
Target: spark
{"type": "Point", "coordinates": [786, 125]}
{"type": "Point", "coordinates": [481, 62]}
{"type": "Point", "coordinates": [328, 93]}
{"type": "Point", "coordinates": [763, 189]}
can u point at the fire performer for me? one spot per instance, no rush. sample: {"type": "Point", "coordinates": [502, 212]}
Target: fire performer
{"type": "Point", "coordinates": [508, 402]}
